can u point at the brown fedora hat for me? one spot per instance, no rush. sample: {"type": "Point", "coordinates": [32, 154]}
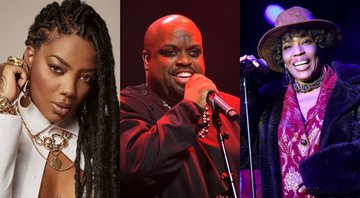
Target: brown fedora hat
{"type": "Point", "coordinates": [291, 18]}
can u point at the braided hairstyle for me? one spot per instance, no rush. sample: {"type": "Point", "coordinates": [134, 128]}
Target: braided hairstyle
{"type": "Point", "coordinates": [98, 115]}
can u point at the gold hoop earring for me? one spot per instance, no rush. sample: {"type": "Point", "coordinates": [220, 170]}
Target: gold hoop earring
{"type": "Point", "coordinates": [25, 99]}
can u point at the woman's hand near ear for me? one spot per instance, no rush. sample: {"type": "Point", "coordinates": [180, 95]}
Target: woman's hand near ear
{"type": "Point", "coordinates": [12, 79]}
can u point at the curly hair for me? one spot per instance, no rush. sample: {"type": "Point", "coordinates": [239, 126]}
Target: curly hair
{"type": "Point", "coordinates": [98, 115]}
{"type": "Point", "coordinates": [325, 40]}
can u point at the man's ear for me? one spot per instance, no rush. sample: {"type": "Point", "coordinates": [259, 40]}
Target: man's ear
{"type": "Point", "coordinates": [29, 54]}
{"type": "Point", "coordinates": [145, 56]}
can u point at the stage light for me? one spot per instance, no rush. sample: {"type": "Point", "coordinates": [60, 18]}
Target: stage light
{"type": "Point", "coordinates": [271, 12]}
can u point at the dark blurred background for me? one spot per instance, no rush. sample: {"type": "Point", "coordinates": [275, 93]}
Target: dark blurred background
{"type": "Point", "coordinates": [219, 22]}
{"type": "Point", "coordinates": [345, 13]}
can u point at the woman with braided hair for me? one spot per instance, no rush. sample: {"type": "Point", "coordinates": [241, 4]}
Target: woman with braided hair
{"type": "Point", "coordinates": [59, 111]}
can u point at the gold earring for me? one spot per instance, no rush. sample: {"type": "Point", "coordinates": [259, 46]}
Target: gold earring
{"type": "Point", "coordinates": [25, 99]}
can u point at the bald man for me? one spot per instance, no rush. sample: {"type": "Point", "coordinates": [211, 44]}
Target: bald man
{"type": "Point", "coordinates": [168, 144]}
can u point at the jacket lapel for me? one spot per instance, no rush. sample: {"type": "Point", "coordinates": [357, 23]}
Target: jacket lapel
{"type": "Point", "coordinates": [343, 98]}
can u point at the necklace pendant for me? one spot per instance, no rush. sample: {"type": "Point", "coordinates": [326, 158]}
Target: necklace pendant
{"type": "Point", "coordinates": [165, 104]}
{"type": "Point", "coordinates": [56, 163]}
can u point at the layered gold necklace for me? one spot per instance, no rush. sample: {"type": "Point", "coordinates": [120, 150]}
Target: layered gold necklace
{"type": "Point", "coordinates": [54, 144]}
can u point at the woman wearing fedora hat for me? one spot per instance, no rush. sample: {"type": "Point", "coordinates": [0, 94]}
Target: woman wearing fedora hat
{"type": "Point", "coordinates": [308, 131]}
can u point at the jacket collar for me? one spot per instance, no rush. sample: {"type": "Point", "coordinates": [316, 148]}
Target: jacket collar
{"type": "Point", "coordinates": [349, 73]}
{"type": "Point", "coordinates": [344, 98]}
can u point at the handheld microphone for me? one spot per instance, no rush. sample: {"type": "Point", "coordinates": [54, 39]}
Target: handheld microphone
{"type": "Point", "coordinates": [247, 66]}
{"type": "Point", "coordinates": [217, 103]}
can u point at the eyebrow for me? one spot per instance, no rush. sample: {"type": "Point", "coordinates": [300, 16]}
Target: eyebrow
{"type": "Point", "coordinates": [173, 45]}
{"type": "Point", "coordinates": [60, 59]}
{"type": "Point", "coordinates": [196, 45]}
{"type": "Point", "coordinates": [68, 65]}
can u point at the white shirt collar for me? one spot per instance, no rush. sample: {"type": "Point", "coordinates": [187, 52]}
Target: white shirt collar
{"type": "Point", "coordinates": [37, 123]}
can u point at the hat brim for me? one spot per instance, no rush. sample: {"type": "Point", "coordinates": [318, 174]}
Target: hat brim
{"type": "Point", "coordinates": [269, 39]}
